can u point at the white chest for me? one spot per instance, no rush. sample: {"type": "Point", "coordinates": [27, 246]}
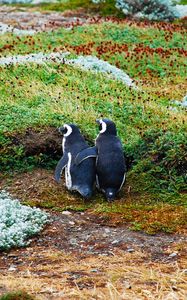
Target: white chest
{"type": "Point", "coordinates": [67, 173]}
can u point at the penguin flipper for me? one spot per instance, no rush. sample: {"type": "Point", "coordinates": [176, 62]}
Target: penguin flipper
{"type": "Point", "coordinates": [60, 166]}
{"type": "Point", "coordinates": [86, 153]}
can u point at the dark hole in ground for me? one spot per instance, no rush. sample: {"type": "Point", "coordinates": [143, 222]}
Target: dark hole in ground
{"type": "Point", "coordinates": [46, 143]}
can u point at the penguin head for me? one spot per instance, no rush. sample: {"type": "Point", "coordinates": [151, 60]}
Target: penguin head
{"type": "Point", "coordinates": [69, 129]}
{"type": "Point", "coordinates": [107, 126]}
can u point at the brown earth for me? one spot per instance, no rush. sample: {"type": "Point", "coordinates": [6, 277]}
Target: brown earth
{"type": "Point", "coordinates": [46, 140]}
{"type": "Point", "coordinates": [84, 255]}
{"type": "Point", "coordinates": [77, 257]}
{"type": "Point", "coordinates": [27, 19]}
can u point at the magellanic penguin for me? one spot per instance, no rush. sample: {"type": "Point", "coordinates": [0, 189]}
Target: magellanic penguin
{"type": "Point", "coordinates": [80, 177]}
{"type": "Point", "coordinates": [110, 161]}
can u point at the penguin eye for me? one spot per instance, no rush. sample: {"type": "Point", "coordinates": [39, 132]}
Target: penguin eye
{"type": "Point", "coordinates": [64, 131]}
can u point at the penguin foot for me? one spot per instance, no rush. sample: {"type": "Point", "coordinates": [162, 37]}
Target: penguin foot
{"type": "Point", "coordinates": [110, 200]}
{"type": "Point", "coordinates": [110, 194]}
{"type": "Point", "coordinates": [85, 192]}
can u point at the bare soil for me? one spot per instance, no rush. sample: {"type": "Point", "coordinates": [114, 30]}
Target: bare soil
{"type": "Point", "coordinates": [84, 255]}
{"type": "Point", "coordinates": [27, 19]}
{"type": "Point", "coordinates": [46, 141]}
{"type": "Point", "coordinates": [76, 251]}
{"type": "Point", "coordinates": [85, 234]}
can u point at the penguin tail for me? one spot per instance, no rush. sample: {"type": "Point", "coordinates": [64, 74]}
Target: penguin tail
{"type": "Point", "coordinates": [110, 194]}
{"type": "Point", "coordinates": [85, 192]}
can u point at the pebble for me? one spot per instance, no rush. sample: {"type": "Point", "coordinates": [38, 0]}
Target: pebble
{"type": "Point", "coordinates": [174, 254]}
{"type": "Point", "coordinates": [130, 250]}
{"type": "Point", "coordinates": [12, 268]}
{"type": "Point", "coordinates": [127, 285]}
{"type": "Point", "coordinates": [73, 241]}
{"type": "Point", "coordinates": [71, 223]}
{"type": "Point", "coordinates": [66, 212]}
{"type": "Point", "coordinates": [115, 242]}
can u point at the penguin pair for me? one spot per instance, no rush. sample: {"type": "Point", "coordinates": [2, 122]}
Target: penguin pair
{"type": "Point", "coordinates": [81, 168]}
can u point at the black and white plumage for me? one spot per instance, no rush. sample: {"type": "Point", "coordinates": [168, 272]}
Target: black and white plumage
{"type": "Point", "coordinates": [110, 161]}
{"type": "Point", "coordinates": [80, 177]}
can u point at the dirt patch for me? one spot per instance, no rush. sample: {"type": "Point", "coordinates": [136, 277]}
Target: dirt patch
{"type": "Point", "coordinates": [38, 188]}
{"type": "Point", "coordinates": [84, 231]}
{"type": "Point", "coordinates": [41, 21]}
{"type": "Point", "coordinates": [47, 141]}
{"type": "Point", "coordinates": [76, 255]}
{"type": "Point", "coordinates": [84, 255]}
{"type": "Point", "coordinates": [30, 19]}
{"type": "Point", "coordinates": [84, 234]}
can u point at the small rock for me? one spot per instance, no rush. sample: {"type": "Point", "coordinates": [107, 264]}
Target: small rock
{"type": "Point", "coordinates": [66, 212]}
{"type": "Point", "coordinates": [11, 255]}
{"type": "Point", "coordinates": [73, 241]}
{"type": "Point", "coordinates": [185, 271]}
{"type": "Point", "coordinates": [174, 254]}
{"type": "Point", "coordinates": [71, 223]}
{"type": "Point", "coordinates": [94, 270]}
{"type": "Point", "coordinates": [174, 288]}
{"type": "Point", "coordinates": [12, 268]}
{"type": "Point", "coordinates": [115, 242]}
{"type": "Point", "coordinates": [107, 230]}
{"type": "Point", "coordinates": [130, 250]}
{"type": "Point", "coordinates": [127, 285]}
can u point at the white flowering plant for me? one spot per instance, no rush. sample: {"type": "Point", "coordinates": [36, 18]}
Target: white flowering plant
{"type": "Point", "coordinates": [91, 63]}
{"type": "Point", "coordinates": [18, 222]}
{"type": "Point", "coordinates": [151, 9]}
{"type": "Point", "coordinates": [95, 64]}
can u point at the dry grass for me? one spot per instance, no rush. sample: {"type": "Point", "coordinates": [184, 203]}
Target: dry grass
{"type": "Point", "coordinates": [55, 275]}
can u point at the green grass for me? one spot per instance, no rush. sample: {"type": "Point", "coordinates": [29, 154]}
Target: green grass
{"type": "Point", "coordinates": [151, 53]}
{"type": "Point", "coordinates": [104, 9]}
{"type": "Point", "coordinates": [184, 2]}
{"type": "Point", "coordinates": [16, 296]}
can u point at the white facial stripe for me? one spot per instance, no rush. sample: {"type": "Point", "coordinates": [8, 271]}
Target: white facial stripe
{"type": "Point", "coordinates": [103, 126]}
{"type": "Point", "coordinates": [69, 130]}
